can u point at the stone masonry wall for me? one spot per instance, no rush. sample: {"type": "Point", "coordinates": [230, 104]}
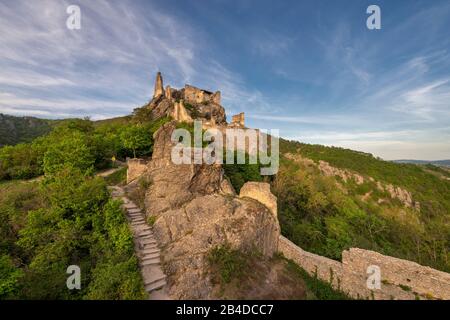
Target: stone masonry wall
{"type": "Point", "coordinates": [136, 167]}
{"type": "Point", "coordinates": [326, 269]}
{"type": "Point", "coordinates": [400, 279]}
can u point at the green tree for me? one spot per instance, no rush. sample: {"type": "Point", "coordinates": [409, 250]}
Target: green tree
{"type": "Point", "coordinates": [71, 152]}
{"type": "Point", "coordinates": [136, 138]}
{"type": "Point", "coordinates": [9, 276]}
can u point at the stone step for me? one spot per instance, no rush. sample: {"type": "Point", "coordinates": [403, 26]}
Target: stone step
{"type": "Point", "coordinates": [149, 240]}
{"type": "Point", "coordinates": [140, 229]}
{"type": "Point", "coordinates": [154, 277]}
{"type": "Point", "coordinates": [134, 211]}
{"type": "Point", "coordinates": [140, 225]}
{"type": "Point", "coordinates": [135, 224]}
{"type": "Point", "coordinates": [155, 286]}
{"type": "Point", "coordinates": [149, 246]}
{"type": "Point", "coordinates": [146, 243]}
{"type": "Point", "coordinates": [148, 256]}
{"type": "Point", "coordinates": [143, 234]}
{"type": "Point", "coordinates": [150, 251]}
{"type": "Point", "coordinates": [136, 215]}
{"type": "Point", "coordinates": [159, 294]}
{"type": "Point", "coordinates": [149, 262]}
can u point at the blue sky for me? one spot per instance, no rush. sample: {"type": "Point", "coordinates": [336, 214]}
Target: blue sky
{"type": "Point", "coordinates": [309, 68]}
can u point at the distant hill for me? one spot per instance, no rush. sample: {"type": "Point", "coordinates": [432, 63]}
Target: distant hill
{"type": "Point", "coordinates": [445, 163]}
{"type": "Point", "coordinates": [14, 130]}
{"type": "Point", "coordinates": [331, 199]}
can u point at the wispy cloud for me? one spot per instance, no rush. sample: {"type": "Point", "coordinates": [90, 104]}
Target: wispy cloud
{"type": "Point", "coordinates": [102, 61]}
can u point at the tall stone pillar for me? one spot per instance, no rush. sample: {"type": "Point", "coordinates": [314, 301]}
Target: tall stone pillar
{"type": "Point", "coordinates": [159, 90]}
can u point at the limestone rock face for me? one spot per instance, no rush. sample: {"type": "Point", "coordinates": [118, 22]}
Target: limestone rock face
{"type": "Point", "coordinates": [260, 191]}
{"type": "Point", "coordinates": [180, 114]}
{"type": "Point", "coordinates": [160, 107]}
{"type": "Point", "coordinates": [196, 210]}
{"type": "Point", "coordinates": [159, 90]}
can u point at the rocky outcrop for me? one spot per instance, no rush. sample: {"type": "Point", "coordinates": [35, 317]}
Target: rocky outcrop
{"type": "Point", "coordinates": [326, 169]}
{"type": "Point", "coordinates": [195, 210]}
{"type": "Point", "coordinates": [261, 192]}
{"type": "Point", "coordinates": [159, 89]}
{"type": "Point", "coordinates": [180, 114]}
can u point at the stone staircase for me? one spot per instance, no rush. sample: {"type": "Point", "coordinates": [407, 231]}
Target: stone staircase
{"type": "Point", "coordinates": [146, 248]}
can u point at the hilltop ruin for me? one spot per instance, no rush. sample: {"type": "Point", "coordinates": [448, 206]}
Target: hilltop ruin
{"type": "Point", "coordinates": [194, 208]}
{"type": "Point", "coordinates": [191, 103]}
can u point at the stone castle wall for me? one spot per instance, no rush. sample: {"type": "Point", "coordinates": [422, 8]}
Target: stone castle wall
{"type": "Point", "coordinates": [136, 167]}
{"type": "Point", "coordinates": [400, 279]}
{"type": "Point", "coordinates": [196, 95]}
{"type": "Point", "coordinates": [326, 269]}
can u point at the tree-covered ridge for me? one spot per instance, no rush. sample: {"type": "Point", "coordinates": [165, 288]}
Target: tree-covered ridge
{"type": "Point", "coordinates": [14, 130]}
{"type": "Point", "coordinates": [326, 215]}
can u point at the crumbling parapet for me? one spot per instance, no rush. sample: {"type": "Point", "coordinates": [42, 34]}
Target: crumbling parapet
{"type": "Point", "coordinates": [260, 191]}
{"type": "Point", "coordinates": [238, 120]}
{"type": "Point", "coordinates": [136, 168]}
{"type": "Point", "coordinates": [398, 278]}
{"type": "Point", "coordinates": [196, 95]}
{"type": "Point", "coordinates": [216, 97]}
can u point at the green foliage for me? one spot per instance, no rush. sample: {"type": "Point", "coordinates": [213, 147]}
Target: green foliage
{"type": "Point", "coordinates": [9, 277]}
{"type": "Point", "coordinates": [22, 161]}
{"type": "Point", "coordinates": [78, 143]}
{"type": "Point", "coordinates": [118, 281]}
{"type": "Point", "coordinates": [193, 110]}
{"type": "Point", "coordinates": [68, 220]}
{"type": "Point", "coordinates": [230, 264]}
{"type": "Point", "coordinates": [136, 138]}
{"type": "Point", "coordinates": [151, 220]}
{"type": "Point", "coordinates": [327, 215]}
{"type": "Point", "coordinates": [72, 152]}
{"type": "Point", "coordinates": [317, 289]}
{"type": "Point", "coordinates": [239, 174]}
{"type": "Point", "coordinates": [117, 177]}
{"type": "Point", "coordinates": [142, 115]}
{"type": "Point", "coordinates": [14, 130]}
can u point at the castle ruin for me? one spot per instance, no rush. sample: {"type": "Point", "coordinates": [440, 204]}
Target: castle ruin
{"type": "Point", "coordinates": [190, 103]}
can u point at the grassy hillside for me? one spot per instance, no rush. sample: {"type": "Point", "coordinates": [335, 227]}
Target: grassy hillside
{"type": "Point", "coordinates": [325, 214]}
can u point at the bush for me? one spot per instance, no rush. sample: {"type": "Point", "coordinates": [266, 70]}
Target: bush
{"type": "Point", "coordinates": [239, 174]}
{"type": "Point", "coordinates": [230, 264]}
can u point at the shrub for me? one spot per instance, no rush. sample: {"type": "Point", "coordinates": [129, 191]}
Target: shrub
{"type": "Point", "coordinates": [230, 264]}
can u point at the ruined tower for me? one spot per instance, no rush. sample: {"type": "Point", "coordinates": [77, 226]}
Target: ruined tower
{"type": "Point", "coordinates": [159, 90]}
